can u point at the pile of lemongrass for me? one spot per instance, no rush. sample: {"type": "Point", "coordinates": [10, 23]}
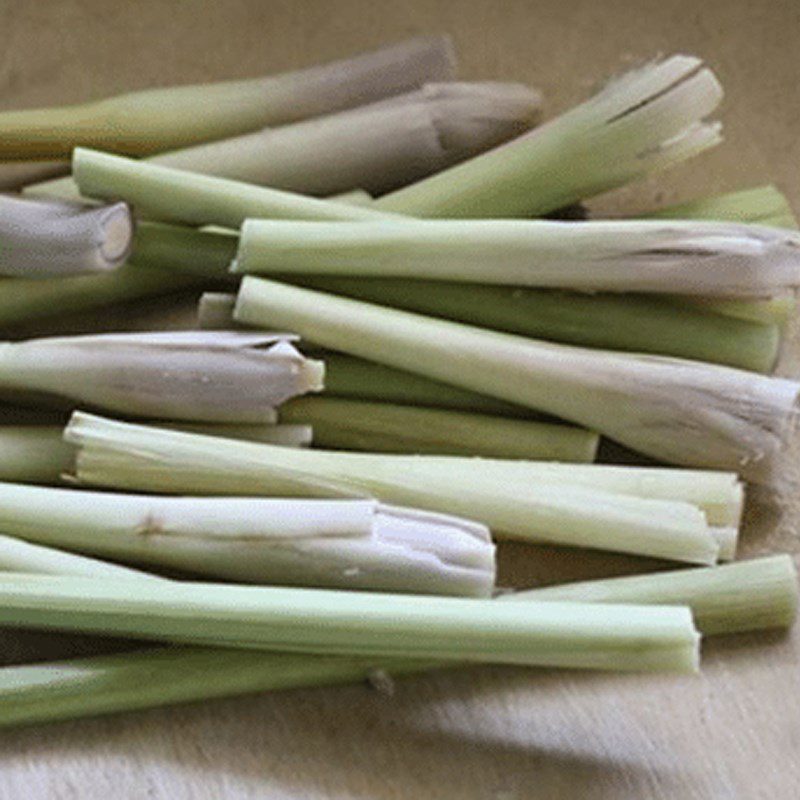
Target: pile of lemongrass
{"type": "Point", "coordinates": [282, 512]}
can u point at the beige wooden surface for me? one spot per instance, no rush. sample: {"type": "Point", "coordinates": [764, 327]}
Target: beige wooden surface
{"type": "Point", "coordinates": [733, 732]}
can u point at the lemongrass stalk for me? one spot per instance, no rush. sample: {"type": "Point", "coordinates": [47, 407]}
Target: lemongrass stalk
{"type": "Point", "coordinates": [681, 256]}
{"type": "Point", "coordinates": [380, 146]}
{"type": "Point", "coordinates": [644, 121]}
{"type": "Point", "coordinates": [23, 300]}
{"type": "Point", "coordinates": [153, 120]}
{"type": "Point", "coordinates": [341, 424]}
{"type": "Point", "coordinates": [193, 375]}
{"type": "Point", "coordinates": [33, 453]}
{"type": "Point", "coordinates": [40, 239]}
{"type": "Point", "coordinates": [24, 557]}
{"type": "Point", "coordinates": [679, 411]}
{"type": "Point", "coordinates": [775, 311]}
{"type": "Point", "coordinates": [635, 323]}
{"type": "Point", "coordinates": [751, 595]}
{"type": "Point", "coordinates": [631, 322]}
{"type": "Point", "coordinates": [569, 635]}
{"type": "Point", "coordinates": [762, 205]}
{"type": "Point", "coordinates": [175, 195]}
{"type": "Point", "coordinates": [727, 539]}
{"type": "Point", "coordinates": [16, 174]}
{"type": "Point", "coordinates": [357, 197]}
{"type": "Point", "coordinates": [137, 457]}
{"type": "Point", "coordinates": [348, 544]}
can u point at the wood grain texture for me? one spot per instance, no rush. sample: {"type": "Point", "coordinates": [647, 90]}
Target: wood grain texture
{"type": "Point", "coordinates": [733, 732]}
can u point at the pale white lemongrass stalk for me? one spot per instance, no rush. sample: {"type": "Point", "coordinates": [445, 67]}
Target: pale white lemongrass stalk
{"type": "Point", "coordinates": [347, 544]}
{"type": "Point", "coordinates": [203, 376]}
{"type": "Point", "coordinates": [166, 193]}
{"type": "Point", "coordinates": [379, 147]}
{"type": "Point", "coordinates": [357, 197]}
{"type": "Point", "coordinates": [681, 256]}
{"type": "Point", "coordinates": [557, 634]}
{"type": "Point", "coordinates": [126, 456]}
{"type": "Point", "coordinates": [16, 174]}
{"type": "Point", "coordinates": [342, 424]}
{"type": "Point", "coordinates": [679, 411]}
{"type": "Point", "coordinates": [643, 121]}
{"type": "Point", "coordinates": [17, 555]}
{"type": "Point", "coordinates": [751, 595]}
{"type": "Point", "coordinates": [45, 238]}
{"type": "Point", "coordinates": [153, 120]}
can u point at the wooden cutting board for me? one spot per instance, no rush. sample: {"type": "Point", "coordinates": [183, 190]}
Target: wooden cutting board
{"type": "Point", "coordinates": [500, 734]}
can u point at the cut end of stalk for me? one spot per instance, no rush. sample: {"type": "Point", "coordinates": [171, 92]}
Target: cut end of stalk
{"type": "Point", "coordinates": [117, 228]}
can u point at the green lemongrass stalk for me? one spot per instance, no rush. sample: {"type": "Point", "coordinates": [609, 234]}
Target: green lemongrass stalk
{"type": "Point", "coordinates": [199, 376]}
{"type": "Point", "coordinates": [136, 457]}
{"type": "Point", "coordinates": [761, 205]}
{"type": "Point", "coordinates": [23, 300]}
{"type": "Point", "coordinates": [681, 256]}
{"type": "Point", "coordinates": [348, 544]}
{"type": "Point", "coordinates": [341, 424]}
{"type": "Point", "coordinates": [644, 121]}
{"type": "Point", "coordinates": [16, 174]}
{"type": "Point", "coordinates": [24, 557]}
{"type": "Point", "coordinates": [380, 146]}
{"type": "Point", "coordinates": [33, 453]}
{"type": "Point", "coordinates": [37, 453]}
{"type": "Point", "coordinates": [153, 120]}
{"type": "Point", "coordinates": [568, 635]}
{"type": "Point", "coordinates": [175, 195]}
{"type": "Point", "coordinates": [631, 322]}
{"type": "Point", "coordinates": [635, 323]}
{"type": "Point", "coordinates": [679, 411]}
{"type": "Point", "coordinates": [40, 239]}
{"type": "Point", "coordinates": [751, 595]}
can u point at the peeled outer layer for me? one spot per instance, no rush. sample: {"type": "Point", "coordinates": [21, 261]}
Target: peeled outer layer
{"type": "Point", "coordinates": [683, 412]}
{"type": "Point", "coordinates": [355, 425]}
{"type": "Point", "coordinates": [643, 121]}
{"type": "Point", "coordinates": [194, 375]}
{"type": "Point", "coordinates": [379, 146]}
{"type": "Point", "coordinates": [175, 195]}
{"type": "Point", "coordinates": [347, 544]}
{"type": "Point", "coordinates": [679, 256]}
{"type": "Point", "coordinates": [570, 635]}
{"type": "Point", "coordinates": [153, 120]}
{"type": "Point", "coordinates": [146, 459]}
{"type": "Point", "coordinates": [40, 239]}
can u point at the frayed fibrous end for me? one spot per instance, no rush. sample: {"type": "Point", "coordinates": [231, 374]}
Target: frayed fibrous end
{"type": "Point", "coordinates": [643, 121]}
{"type": "Point", "coordinates": [699, 414]}
{"type": "Point", "coordinates": [648, 120]}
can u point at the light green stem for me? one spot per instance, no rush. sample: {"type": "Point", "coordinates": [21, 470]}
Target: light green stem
{"type": "Point", "coordinates": [341, 424]}
{"type": "Point", "coordinates": [682, 412]}
{"type": "Point", "coordinates": [721, 600]}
